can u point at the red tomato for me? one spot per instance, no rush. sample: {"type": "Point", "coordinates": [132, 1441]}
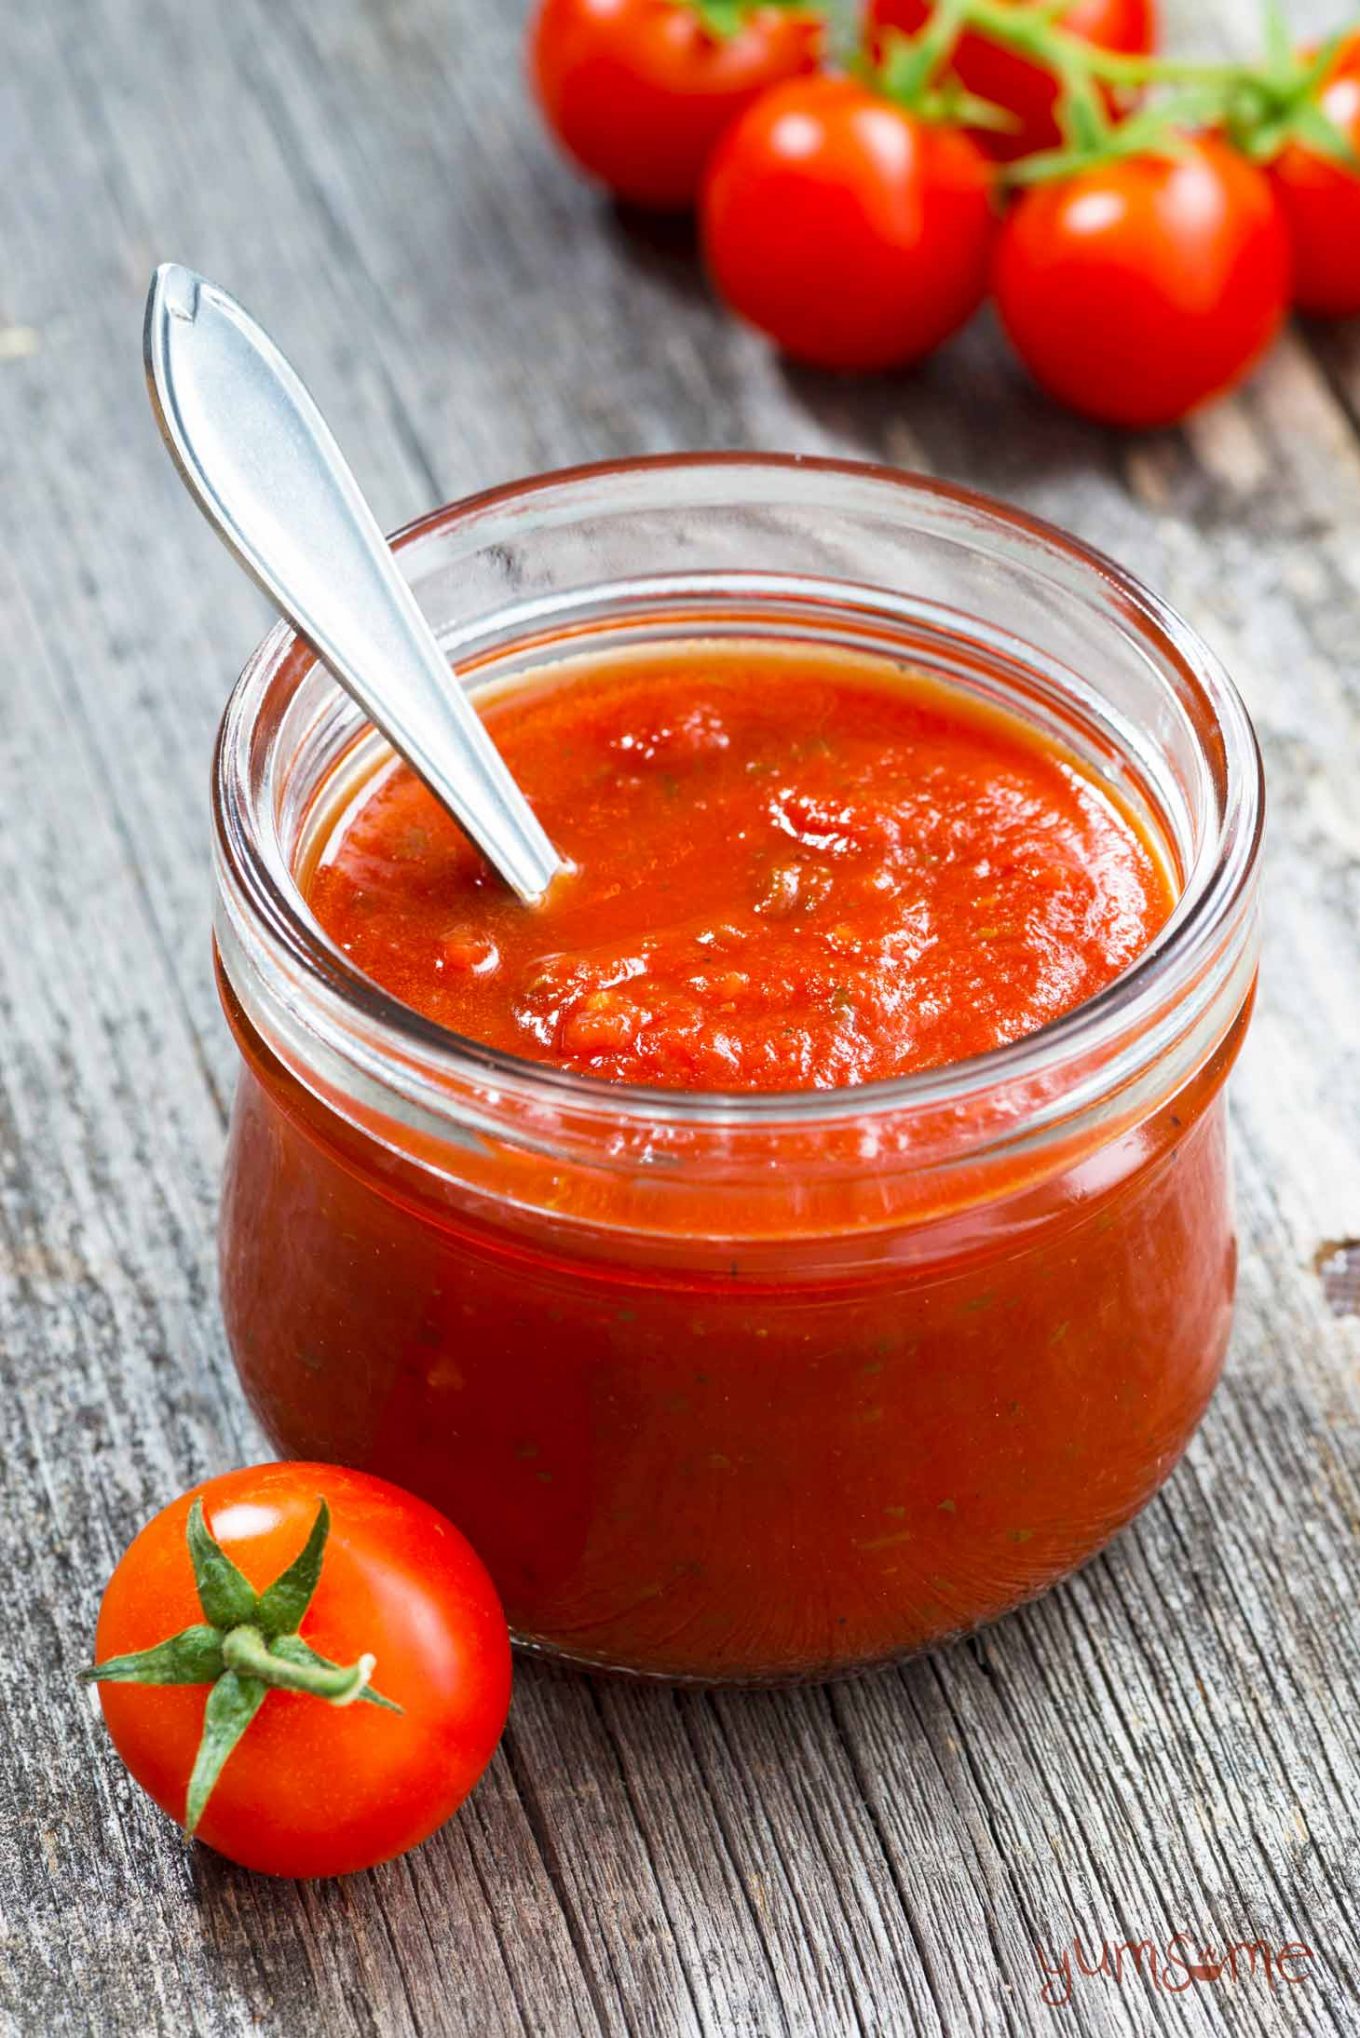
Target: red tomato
{"type": "Point", "coordinates": [313, 1788]}
{"type": "Point", "coordinates": [1321, 201]}
{"type": "Point", "coordinates": [851, 231]}
{"type": "Point", "coordinates": [1136, 290]}
{"type": "Point", "coordinates": [1128, 27]}
{"type": "Point", "coordinates": [639, 91]}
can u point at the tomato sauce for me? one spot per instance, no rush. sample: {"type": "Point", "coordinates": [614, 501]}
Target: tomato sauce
{"type": "Point", "coordinates": [789, 873]}
{"type": "Point", "coordinates": [691, 1437]}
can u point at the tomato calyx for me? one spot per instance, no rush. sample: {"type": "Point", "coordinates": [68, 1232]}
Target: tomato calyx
{"type": "Point", "coordinates": [724, 20]}
{"type": "Point", "coordinates": [1280, 100]}
{"type": "Point", "coordinates": [246, 1646]}
{"type": "Point", "coordinates": [912, 71]}
{"type": "Point", "coordinates": [1091, 137]}
{"type": "Point", "coordinates": [1162, 132]}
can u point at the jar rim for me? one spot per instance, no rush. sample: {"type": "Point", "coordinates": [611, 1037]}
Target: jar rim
{"type": "Point", "coordinates": [1215, 895]}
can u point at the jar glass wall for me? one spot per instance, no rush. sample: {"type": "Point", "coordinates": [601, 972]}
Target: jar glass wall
{"type": "Point", "coordinates": [756, 1386]}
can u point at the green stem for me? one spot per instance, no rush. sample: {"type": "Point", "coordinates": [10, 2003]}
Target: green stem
{"type": "Point", "coordinates": [725, 19]}
{"type": "Point", "coordinates": [939, 38]}
{"type": "Point", "coordinates": [245, 1650]}
{"type": "Point", "coordinates": [1034, 35]}
{"type": "Point", "coordinates": [1118, 68]}
{"type": "Point", "coordinates": [910, 63]}
{"type": "Point", "coordinates": [907, 70]}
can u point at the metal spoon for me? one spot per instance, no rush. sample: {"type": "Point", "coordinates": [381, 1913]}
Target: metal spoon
{"type": "Point", "coordinates": [261, 463]}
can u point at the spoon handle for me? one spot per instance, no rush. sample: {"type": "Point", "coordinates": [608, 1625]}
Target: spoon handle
{"type": "Point", "coordinates": [260, 460]}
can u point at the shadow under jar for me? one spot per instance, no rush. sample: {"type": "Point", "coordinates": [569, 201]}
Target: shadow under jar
{"type": "Point", "coordinates": [751, 1387]}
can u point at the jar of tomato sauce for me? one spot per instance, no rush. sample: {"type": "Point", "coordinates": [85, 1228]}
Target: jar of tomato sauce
{"type": "Point", "coordinates": [746, 1386]}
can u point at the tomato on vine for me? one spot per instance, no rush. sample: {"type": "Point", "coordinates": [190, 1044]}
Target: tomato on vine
{"type": "Point", "coordinates": [852, 229]}
{"type": "Point", "coordinates": [1137, 288]}
{"type": "Point", "coordinates": [1025, 88]}
{"type": "Point", "coordinates": [638, 92]}
{"type": "Point", "coordinates": [1316, 176]}
{"type": "Point", "coordinates": [306, 1667]}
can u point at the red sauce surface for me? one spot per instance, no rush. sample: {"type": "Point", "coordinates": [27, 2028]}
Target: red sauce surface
{"type": "Point", "coordinates": [817, 1415]}
{"type": "Point", "coordinates": [792, 871]}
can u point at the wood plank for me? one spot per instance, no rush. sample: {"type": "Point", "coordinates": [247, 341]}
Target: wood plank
{"type": "Point", "coordinates": [1171, 1740]}
{"type": "Point", "coordinates": [118, 1393]}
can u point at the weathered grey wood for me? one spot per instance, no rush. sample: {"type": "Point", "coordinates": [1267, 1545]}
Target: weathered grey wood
{"type": "Point", "coordinates": [1171, 1741]}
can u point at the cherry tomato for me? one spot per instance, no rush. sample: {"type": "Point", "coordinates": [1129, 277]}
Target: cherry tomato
{"type": "Point", "coordinates": [639, 91]}
{"type": "Point", "coordinates": [310, 1787]}
{"type": "Point", "coordinates": [1321, 201]}
{"type": "Point", "coordinates": [853, 232]}
{"type": "Point", "coordinates": [1136, 290]}
{"type": "Point", "coordinates": [1127, 27]}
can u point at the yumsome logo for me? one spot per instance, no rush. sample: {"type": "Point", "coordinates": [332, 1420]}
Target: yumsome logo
{"type": "Point", "coordinates": [1184, 1961]}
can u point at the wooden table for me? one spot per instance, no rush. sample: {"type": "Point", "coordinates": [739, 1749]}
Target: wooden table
{"type": "Point", "coordinates": [1172, 1742]}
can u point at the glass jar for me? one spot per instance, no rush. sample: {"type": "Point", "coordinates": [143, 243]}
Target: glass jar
{"type": "Point", "coordinates": [746, 1387]}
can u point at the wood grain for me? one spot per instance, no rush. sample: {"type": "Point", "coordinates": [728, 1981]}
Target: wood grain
{"type": "Point", "coordinates": [1170, 1742]}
